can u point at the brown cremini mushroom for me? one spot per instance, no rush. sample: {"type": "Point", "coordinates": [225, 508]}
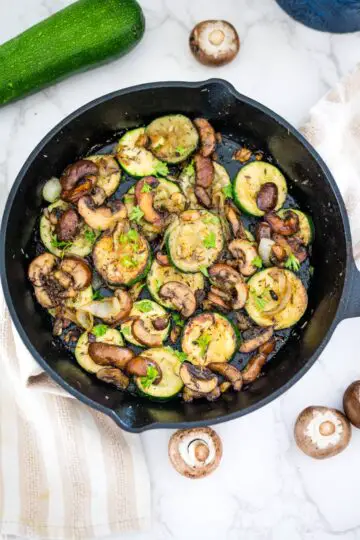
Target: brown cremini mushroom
{"type": "Point", "coordinates": [263, 230]}
{"type": "Point", "coordinates": [67, 226]}
{"type": "Point", "coordinates": [233, 217]}
{"type": "Point", "coordinates": [351, 403]}
{"type": "Point", "coordinates": [229, 372]}
{"type": "Point", "coordinates": [103, 217]}
{"type": "Point", "coordinates": [245, 253]}
{"type": "Point", "coordinates": [227, 278]}
{"type": "Point", "coordinates": [161, 322]}
{"type": "Point", "coordinates": [145, 200]}
{"type": "Point", "coordinates": [40, 268]}
{"type": "Point", "coordinates": [180, 295]}
{"type": "Point", "coordinates": [253, 368]}
{"type": "Point", "coordinates": [162, 258]}
{"type": "Point", "coordinates": [106, 354]}
{"type": "Point", "coordinates": [322, 432]}
{"type": "Point", "coordinates": [113, 376]}
{"type": "Point", "coordinates": [287, 226]}
{"type": "Point", "coordinates": [204, 171]}
{"type": "Point", "coordinates": [144, 335]}
{"type": "Point", "coordinates": [139, 366]}
{"type": "Point", "coordinates": [78, 179]}
{"type": "Point", "coordinates": [267, 197]}
{"type": "Point", "coordinates": [202, 196]}
{"type": "Point", "coordinates": [214, 43]}
{"type": "Point", "coordinates": [207, 136]}
{"type": "Point", "coordinates": [195, 453]}
{"type": "Point", "coordinates": [78, 271]}
{"type": "Point", "coordinates": [198, 379]}
{"type": "Point", "coordinates": [254, 338]}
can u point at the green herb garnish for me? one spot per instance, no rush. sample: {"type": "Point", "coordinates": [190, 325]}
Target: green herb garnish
{"type": "Point", "coordinates": [204, 270]}
{"type": "Point", "coordinates": [146, 188]}
{"type": "Point", "coordinates": [180, 150]}
{"type": "Point", "coordinates": [180, 355]}
{"type": "Point", "coordinates": [128, 199]}
{"type": "Point", "coordinates": [257, 261]}
{"type": "Point", "coordinates": [292, 263]}
{"type": "Point", "coordinates": [145, 306]}
{"type": "Point", "coordinates": [189, 169]}
{"type": "Point", "coordinates": [151, 375]}
{"type": "Point", "coordinates": [210, 219]}
{"type": "Point", "coordinates": [311, 270]}
{"type": "Point", "coordinates": [210, 240]}
{"type": "Point", "coordinates": [60, 245]}
{"type": "Point", "coordinates": [128, 261]}
{"type": "Point", "coordinates": [99, 330]}
{"type": "Point", "coordinates": [136, 214]}
{"type": "Point", "coordinates": [227, 191]}
{"type": "Point", "coordinates": [203, 341]}
{"type": "Point", "coordinates": [261, 299]}
{"type": "Point", "coordinates": [97, 295]}
{"type": "Point", "coordinates": [90, 236]}
{"type": "Point", "coordinates": [178, 320]}
{"type": "Point", "coordinates": [126, 331]}
{"type": "Point", "coordinates": [161, 169]}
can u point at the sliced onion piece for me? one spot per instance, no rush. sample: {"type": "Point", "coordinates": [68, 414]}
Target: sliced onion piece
{"type": "Point", "coordinates": [85, 320]}
{"type": "Point", "coordinates": [107, 309]}
{"type": "Point", "coordinates": [51, 190]}
{"type": "Point", "coordinates": [264, 250]}
{"type": "Point", "coordinates": [283, 291]}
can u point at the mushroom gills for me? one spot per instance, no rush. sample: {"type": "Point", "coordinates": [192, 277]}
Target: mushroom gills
{"type": "Point", "coordinates": [198, 379]}
{"type": "Point", "coordinates": [214, 42]}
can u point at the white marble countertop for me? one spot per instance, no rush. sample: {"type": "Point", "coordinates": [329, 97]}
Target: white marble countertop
{"type": "Point", "coordinates": [264, 488]}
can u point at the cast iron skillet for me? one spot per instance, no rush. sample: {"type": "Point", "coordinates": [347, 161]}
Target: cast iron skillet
{"type": "Point", "coordinates": [334, 292]}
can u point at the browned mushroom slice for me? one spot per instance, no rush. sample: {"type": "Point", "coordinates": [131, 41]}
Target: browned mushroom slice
{"type": "Point", "coordinates": [217, 301]}
{"type": "Point", "coordinates": [225, 386]}
{"type": "Point", "coordinates": [84, 187]}
{"type": "Point", "coordinates": [180, 295]}
{"type": "Point", "coordinates": [107, 354]}
{"type": "Point", "coordinates": [162, 259]}
{"type": "Point", "coordinates": [113, 376]}
{"type": "Point", "coordinates": [139, 366]}
{"type": "Point", "coordinates": [243, 322]}
{"type": "Point", "coordinates": [104, 217]}
{"type": "Point", "coordinates": [189, 395]}
{"type": "Point", "coordinates": [231, 373]}
{"type": "Point", "coordinates": [322, 432]}
{"type": "Point", "coordinates": [214, 395]}
{"type": "Point", "coordinates": [254, 338]}
{"type": "Point", "coordinates": [204, 171]}
{"type": "Point", "coordinates": [253, 368]}
{"type": "Point", "coordinates": [78, 270]}
{"type": "Point", "coordinates": [263, 230]}
{"type": "Point", "coordinates": [41, 267]}
{"type": "Point", "coordinates": [198, 379]}
{"type": "Point", "coordinates": [196, 452]}
{"type": "Point", "coordinates": [285, 246]}
{"type": "Point", "coordinates": [278, 254]}
{"type": "Point", "coordinates": [45, 298]}
{"type": "Point", "coordinates": [144, 335]}
{"type": "Point", "coordinates": [175, 333]}
{"type": "Point", "coordinates": [214, 42]}
{"type": "Point", "coordinates": [287, 226]}
{"type": "Point", "coordinates": [245, 253]}
{"type": "Point", "coordinates": [160, 323]}
{"type": "Point", "coordinates": [77, 180]}
{"type": "Point", "coordinates": [207, 136]}
{"type": "Point", "coordinates": [67, 227]}
{"type": "Point", "coordinates": [233, 217]}
{"type": "Point", "coordinates": [268, 347]}
{"type": "Point", "coordinates": [351, 402]}
{"type": "Point", "coordinates": [202, 196]}
{"type": "Point", "coordinates": [145, 200]}
{"type": "Point", "coordinates": [229, 279]}
{"type": "Point", "coordinates": [267, 197]}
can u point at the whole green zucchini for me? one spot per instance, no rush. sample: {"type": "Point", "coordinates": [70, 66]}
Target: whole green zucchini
{"type": "Point", "coordinates": [83, 34]}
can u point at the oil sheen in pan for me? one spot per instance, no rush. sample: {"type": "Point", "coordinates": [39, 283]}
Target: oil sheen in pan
{"type": "Point", "coordinates": [225, 151]}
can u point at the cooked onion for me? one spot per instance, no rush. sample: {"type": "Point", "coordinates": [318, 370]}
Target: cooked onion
{"type": "Point", "coordinates": [264, 250]}
{"type": "Point", "coordinates": [85, 320]}
{"type": "Point", "coordinates": [51, 190]}
{"type": "Point", "coordinates": [106, 309]}
{"type": "Point", "coordinates": [283, 291]}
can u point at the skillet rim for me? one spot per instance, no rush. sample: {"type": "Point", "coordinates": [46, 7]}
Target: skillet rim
{"type": "Point", "coordinates": [339, 314]}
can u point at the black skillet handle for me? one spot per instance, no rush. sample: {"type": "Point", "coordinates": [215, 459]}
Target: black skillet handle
{"type": "Point", "coordinates": [352, 300]}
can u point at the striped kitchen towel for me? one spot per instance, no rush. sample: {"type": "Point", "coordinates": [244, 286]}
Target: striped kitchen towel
{"type": "Point", "coordinates": [66, 471]}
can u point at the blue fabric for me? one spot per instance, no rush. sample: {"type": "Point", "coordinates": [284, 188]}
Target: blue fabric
{"type": "Point", "coordinates": [336, 16]}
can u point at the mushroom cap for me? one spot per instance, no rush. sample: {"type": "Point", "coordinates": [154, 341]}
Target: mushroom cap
{"type": "Point", "coordinates": [351, 403]}
{"type": "Point", "coordinates": [322, 432]}
{"type": "Point", "coordinates": [214, 43]}
{"type": "Point", "coordinates": [195, 453]}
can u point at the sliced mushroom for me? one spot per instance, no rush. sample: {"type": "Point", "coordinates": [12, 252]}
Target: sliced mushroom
{"type": "Point", "coordinates": [139, 366]}
{"type": "Point", "coordinates": [181, 297]}
{"type": "Point", "coordinates": [204, 171]}
{"type": "Point", "coordinates": [202, 196]}
{"type": "Point", "coordinates": [106, 354]}
{"type": "Point", "coordinates": [322, 432]}
{"type": "Point", "coordinates": [67, 227]}
{"type": "Point", "coordinates": [245, 253]}
{"type": "Point", "coordinates": [351, 402]}
{"type": "Point", "coordinates": [279, 254]}
{"type": "Point", "coordinates": [288, 245]}
{"type": "Point", "coordinates": [78, 270]}
{"type": "Point", "coordinates": [263, 230]}
{"type": "Point", "coordinates": [243, 322]}
{"type": "Point", "coordinates": [160, 323]}
{"type": "Point", "coordinates": [189, 395]}
{"type": "Point", "coordinates": [77, 171]}
{"type": "Point", "coordinates": [145, 200]}
{"type": "Point", "coordinates": [225, 386]}
{"type": "Point", "coordinates": [41, 267]}
{"type": "Point", "coordinates": [162, 258]}
{"type": "Point", "coordinates": [229, 372]}
{"type": "Point", "coordinates": [104, 217]}
{"type": "Point", "coordinates": [84, 187]}
{"type": "Point", "coordinates": [45, 298]}
{"type": "Point", "coordinates": [207, 136]}
{"type": "Point", "coordinates": [267, 197]}
{"type": "Point", "coordinates": [214, 395]}
{"type": "Point", "coordinates": [175, 333]}
{"type": "Point", "coordinates": [268, 347]}
{"type": "Point", "coordinates": [215, 300]}
{"type": "Point", "coordinates": [287, 226]}
{"type": "Point", "coordinates": [198, 379]}
{"type": "Point", "coordinates": [144, 335]}
{"type": "Point", "coordinates": [253, 368]}
{"type": "Point", "coordinates": [113, 376]}
{"type": "Point", "coordinates": [214, 42]}
{"type": "Point", "coordinates": [234, 219]}
{"type": "Point", "coordinates": [254, 338]}
{"type": "Point", "coordinates": [229, 279]}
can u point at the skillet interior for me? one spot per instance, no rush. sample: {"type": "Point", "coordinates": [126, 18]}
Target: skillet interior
{"type": "Point", "coordinates": [239, 119]}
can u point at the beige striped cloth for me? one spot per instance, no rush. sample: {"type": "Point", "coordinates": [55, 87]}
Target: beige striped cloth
{"type": "Point", "coordinates": [66, 471]}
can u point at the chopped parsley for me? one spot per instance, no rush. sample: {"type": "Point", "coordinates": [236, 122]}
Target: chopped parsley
{"type": "Point", "coordinates": [178, 320]}
{"type": "Point", "coordinates": [128, 199]}
{"type": "Point", "coordinates": [227, 191]}
{"type": "Point", "coordinates": [136, 214]}
{"type": "Point", "coordinates": [99, 330]}
{"type": "Point", "coordinates": [157, 284]}
{"type": "Point", "coordinates": [210, 219]}
{"type": "Point", "coordinates": [180, 150]}
{"type": "Point", "coordinates": [257, 262]}
{"type": "Point", "coordinates": [60, 245]}
{"type": "Point", "coordinates": [97, 295]}
{"type": "Point", "coordinates": [210, 240]}
{"type": "Point", "coordinates": [90, 236]}
{"type": "Point", "coordinates": [180, 355]}
{"type": "Point", "coordinates": [128, 261]}
{"type": "Point", "coordinates": [203, 342]}
{"type": "Point", "coordinates": [204, 271]}
{"type": "Point", "coordinates": [161, 169]}
{"type": "Point", "coordinates": [145, 306]}
{"type": "Point", "coordinates": [126, 331]}
{"type": "Point", "coordinates": [151, 375]}
{"type": "Point", "coordinates": [189, 169]}
{"type": "Point", "coordinates": [146, 188]}
{"type": "Point", "coordinates": [292, 263]}
{"type": "Point", "coordinates": [261, 299]}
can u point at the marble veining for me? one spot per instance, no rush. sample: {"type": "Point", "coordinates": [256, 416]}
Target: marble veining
{"type": "Point", "coordinates": [264, 489]}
